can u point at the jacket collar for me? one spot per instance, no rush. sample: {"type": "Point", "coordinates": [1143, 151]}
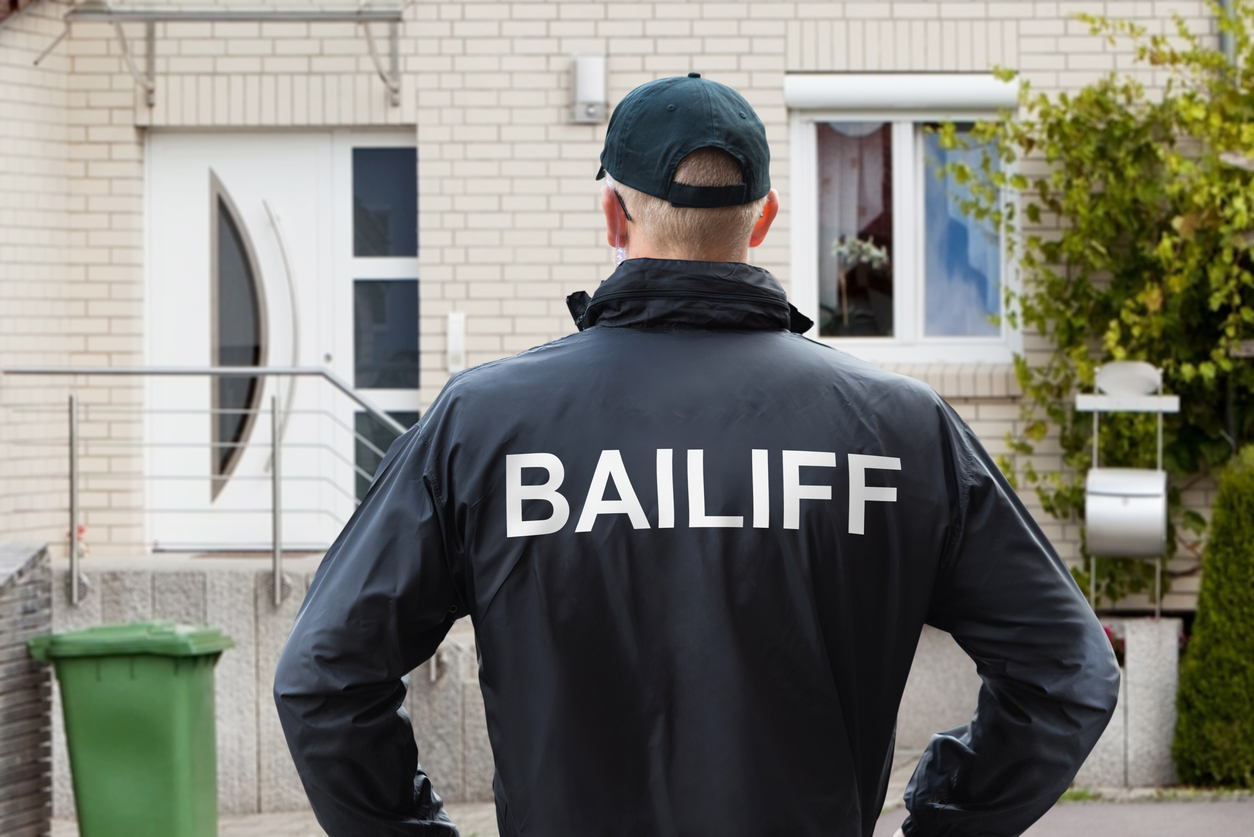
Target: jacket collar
{"type": "Point", "coordinates": [671, 293]}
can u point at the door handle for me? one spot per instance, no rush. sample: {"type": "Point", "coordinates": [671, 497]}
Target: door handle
{"type": "Point", "coordinates": [276, 224]}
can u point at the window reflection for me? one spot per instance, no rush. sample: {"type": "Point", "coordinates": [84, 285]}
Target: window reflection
{"type": "Point", "coordinates": [385, 333]}
{"type": "Point", "coordinates": [962, 255]}
{"type": "Point", "coordinates": [385, 202]}
{"type": "Point", "coordinates": [856, 221]}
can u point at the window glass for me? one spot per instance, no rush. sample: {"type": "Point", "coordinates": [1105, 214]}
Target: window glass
{"type": "Point", "coordinates": [385, 333]}
{"type": "Point", "coordinates": [961, 255]}
{"type": "Point", "coordinates": [385, 202]}
{"type": "Point", "coordinates": [372, 441]}
{"type": "Point", "coordinates": [855, 169]}
{"type": "Point", "coordinates": [238, 340]}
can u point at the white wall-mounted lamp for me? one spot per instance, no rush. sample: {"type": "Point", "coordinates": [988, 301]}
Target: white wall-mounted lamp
{"type": "Point", "coordinates": [588, 84]}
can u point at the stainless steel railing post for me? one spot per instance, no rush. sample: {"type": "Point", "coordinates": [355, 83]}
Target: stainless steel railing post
{"type": "Point", "coordinates": [1093, 581]}
{"type": "Point", "coordinates": [1158, 587]}
{"type": "Point", "coordinates": [74, 500]}
{"type": "Point", "coordinates": [276, 501]}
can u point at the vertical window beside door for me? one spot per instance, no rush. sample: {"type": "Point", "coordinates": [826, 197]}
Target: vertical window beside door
{"type": "Point", "coordinates": [385, 236]}
{"type": "Point", "coordinates": [385, 202]}
{"type": "Point", "coordinates": [385, 333]}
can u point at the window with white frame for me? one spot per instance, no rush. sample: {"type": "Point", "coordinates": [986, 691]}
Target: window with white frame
{"type": "Point", "coordinates": [884, 259]}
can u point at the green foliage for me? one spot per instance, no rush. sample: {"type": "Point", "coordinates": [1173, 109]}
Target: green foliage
{"type": "Point", "coordinates": [1079, 795]}
{"type": "Point", "coordinates": [1134, 214]}
{"type": "Point", "coordinates": [1215, 727]}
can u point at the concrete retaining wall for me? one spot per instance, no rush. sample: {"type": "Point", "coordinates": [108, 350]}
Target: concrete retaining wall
{"type": "Point", "coordinates": [255, 771]}
{"type": "Point", "coordinates": [1135, 750]}
{"type": "Point", "coordinates": [450, 723]}
{"type": "Point", "coordinates": [940, 694]}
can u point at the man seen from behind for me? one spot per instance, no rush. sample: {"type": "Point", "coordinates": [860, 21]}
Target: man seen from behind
{"type": "Point", "coordinates": [698, 550]}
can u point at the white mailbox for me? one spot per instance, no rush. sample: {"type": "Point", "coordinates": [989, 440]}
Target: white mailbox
{"type": "Point", "coordinates": [1125, 509]}
{"type": "Point", "coordinates": [1125, 512]}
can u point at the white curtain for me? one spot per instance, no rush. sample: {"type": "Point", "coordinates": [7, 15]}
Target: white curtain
{"type": "Point", "coordinates": [851, 159]}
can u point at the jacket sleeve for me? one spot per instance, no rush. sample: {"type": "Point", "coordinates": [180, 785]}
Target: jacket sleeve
{"type": "Point", "coordinates": [1050, 681]}
{"type": "Point", "coordinates": [379, 606]}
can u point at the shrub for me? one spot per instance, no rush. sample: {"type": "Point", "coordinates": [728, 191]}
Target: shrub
{"type": "Point", "coordinates": [1215, 728]}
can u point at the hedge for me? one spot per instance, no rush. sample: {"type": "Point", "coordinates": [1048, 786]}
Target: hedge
{"type": "Point", "coordinates": [1215, 728]}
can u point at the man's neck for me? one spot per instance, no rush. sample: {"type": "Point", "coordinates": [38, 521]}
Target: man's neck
{"type": "Point", "coordinates": [646, 250]}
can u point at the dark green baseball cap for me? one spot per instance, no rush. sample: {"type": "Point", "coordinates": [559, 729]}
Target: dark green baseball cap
{"type": "Point", "coordinates": [660, 123]}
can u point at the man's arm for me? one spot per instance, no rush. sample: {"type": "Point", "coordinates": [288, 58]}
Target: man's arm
{"type": "Point", "coordinates": [379, 606]}
{"type": "Point", "coordinates": [1050, 677]}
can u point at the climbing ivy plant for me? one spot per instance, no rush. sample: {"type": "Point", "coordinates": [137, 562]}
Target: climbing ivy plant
{"type": "Point", "coordinates": [1133, 213]}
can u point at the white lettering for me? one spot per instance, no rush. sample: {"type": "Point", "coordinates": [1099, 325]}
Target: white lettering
{"type": "Point", "coordinates": [794, 491]}
{"type": "Point", "coordinates": [860, 494]}
{"type": "Point", "coordinates": [665, 489]}
{"type": "Point", "coordinates": [516, 492]}
{"type": "Point", "coordinates": [761, 490]}
{"type": "Point", "coordinates": [697, 518]}
{"type": "Point", "coordinates": [611, 465]}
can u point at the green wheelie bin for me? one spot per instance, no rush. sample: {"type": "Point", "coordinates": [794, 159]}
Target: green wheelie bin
{"type": "Point", "coordinates": [138, 702]}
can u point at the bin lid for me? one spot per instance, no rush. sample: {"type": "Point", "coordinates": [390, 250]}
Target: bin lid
{"type": "Point", "coordinates": [1126, 482]}
{"type": "Point", "coordinates": [159, 637]}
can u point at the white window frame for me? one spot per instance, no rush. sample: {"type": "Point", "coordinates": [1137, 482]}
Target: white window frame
{"type": "Point", "coordinates": [906, 101]}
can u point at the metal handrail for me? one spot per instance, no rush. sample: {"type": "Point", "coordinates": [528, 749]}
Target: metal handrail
{"type": "Point", "coordinates": [125, 411]}
{"type": "Point", "coordinates": [210, 371]}
{"type": "Point", "coordinates": [217, 372]}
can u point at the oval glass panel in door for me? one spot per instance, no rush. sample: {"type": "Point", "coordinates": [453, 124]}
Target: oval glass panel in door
{"type": "Point", "coordinates": [238, 334]}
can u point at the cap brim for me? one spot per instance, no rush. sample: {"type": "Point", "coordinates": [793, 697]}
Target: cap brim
{"type": "Point", "coordinates": [601, 173]}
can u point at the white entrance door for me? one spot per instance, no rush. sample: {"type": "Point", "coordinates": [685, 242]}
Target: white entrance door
{"type": "Point", "coordinates": [281, 250]}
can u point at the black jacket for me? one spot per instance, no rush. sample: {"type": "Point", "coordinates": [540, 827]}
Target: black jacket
{"type": "Point", "coordinates": [698, 550]}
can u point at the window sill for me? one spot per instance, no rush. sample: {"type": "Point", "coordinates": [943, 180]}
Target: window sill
{"type": "Point", "coordinates": [962, 380]}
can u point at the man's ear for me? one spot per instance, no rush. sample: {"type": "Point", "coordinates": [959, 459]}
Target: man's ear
{"type": "Point", "coordinates": [763, 226]}
{"type": "Point", "coordinates": [615, 220]}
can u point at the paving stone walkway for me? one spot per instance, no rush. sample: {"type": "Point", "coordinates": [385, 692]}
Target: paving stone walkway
{"type": "Point", "coordinates": [1162, 818]}
{"type": "Point", "coordinates": [1127, 819]}
{"type": "Point", "coordinates": [473, 820]}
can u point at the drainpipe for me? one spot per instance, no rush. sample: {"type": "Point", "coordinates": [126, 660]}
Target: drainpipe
{"type": "Point", "coordinates": [1228, 46]}
{"type": "Point", "coordinates": [1227, 43]}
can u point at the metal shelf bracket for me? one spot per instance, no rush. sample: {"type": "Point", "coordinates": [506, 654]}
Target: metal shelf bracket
{"type": "Point", "coordinates": [99, 11]}
{"type": "Point", "coordinates": [392, 75]}
{"type": "Point", "coordinates": [147, 80]}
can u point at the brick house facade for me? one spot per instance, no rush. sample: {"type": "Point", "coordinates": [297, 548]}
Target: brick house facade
{"type": "Point", "coordinates": [507, 207]}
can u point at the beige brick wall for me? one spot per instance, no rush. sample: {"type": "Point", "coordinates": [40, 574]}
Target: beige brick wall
{"type": "Point", "coordinates": [509, 217]}
{"type": "Point", "coordinates": [71, 257]}
{"type": "Point", "coordinates": [37, 302]}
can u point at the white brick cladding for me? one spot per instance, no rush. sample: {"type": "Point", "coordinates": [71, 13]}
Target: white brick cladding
{"type": "Point", "coordinates": [70, 277]}
{"type": "Point", "coordinates": [966, 380]}
{"type": "Point", "coordinates": [970, 42]}
{"type": "Point", "coordinates": [41, 314]}
{"type": "Point", "coordinates": [509, 216]}
{"type": "Point", "coordinates": [291, 75]}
